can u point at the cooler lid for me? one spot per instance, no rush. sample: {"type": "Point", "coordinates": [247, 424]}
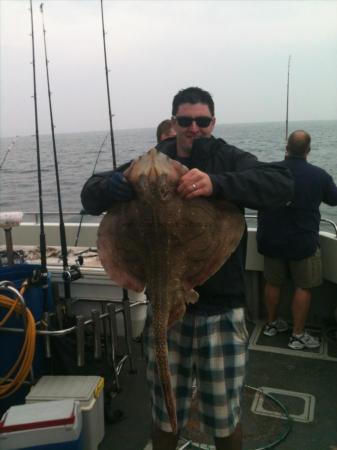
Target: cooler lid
{"type": "Point", "coordinates": [78, 387]}
{"type": "Point", "coordinates": [38, 415]}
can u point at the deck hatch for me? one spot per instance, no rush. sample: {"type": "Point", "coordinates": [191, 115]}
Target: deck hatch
{"type": "Point", "coordinates": [278, 344]}
{"type": "Point", "coordinates": [306, 400]}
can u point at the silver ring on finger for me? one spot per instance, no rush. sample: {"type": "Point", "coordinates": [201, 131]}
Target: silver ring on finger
{"type": "Point", "coordinates": [194, 186]}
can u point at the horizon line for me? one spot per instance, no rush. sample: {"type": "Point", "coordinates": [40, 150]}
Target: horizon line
{"type": "Point", "coordinates": [153, 128]}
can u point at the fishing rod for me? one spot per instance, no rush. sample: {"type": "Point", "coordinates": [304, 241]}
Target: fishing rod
{"type": "Point", "coordinates": [108, 92]}
{"type": "Point", "coordinates": [69, 273]}
{"type": "Point", "coordinates": [11, 145]}
{"type": "Point", "coordinates": [93, 171]}
{"type": "Point", "coordinates": [287, 98]}
{"type": "Point", "coordinates": [43, 248]}
{"type": "Point", "coordinates": [125, 292]}
{"type": "Point", "coordinates": [113, 150]}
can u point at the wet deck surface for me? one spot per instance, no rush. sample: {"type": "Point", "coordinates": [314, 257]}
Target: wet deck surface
{"type": "Point", "coordinates": [305, 382]}
{"type": "Point", "coordinates": [131, 409]}
{"type": "Point", "coordinates": [305, 385]}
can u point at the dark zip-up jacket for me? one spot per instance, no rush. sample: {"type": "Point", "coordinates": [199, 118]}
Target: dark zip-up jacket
{"type": "Point", "coordinates": [236, 176]}
{"type": "Point", "coordinates": [292, 232]}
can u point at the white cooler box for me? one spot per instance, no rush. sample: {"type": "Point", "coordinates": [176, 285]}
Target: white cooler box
{"type": "Point", "coordinates": [87, 390]}
{"type": "Point", "coordinates": [42, 426]}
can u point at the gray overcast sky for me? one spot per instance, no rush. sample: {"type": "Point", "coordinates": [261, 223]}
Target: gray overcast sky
{"type": "Point", "coordinates": [238, 50]}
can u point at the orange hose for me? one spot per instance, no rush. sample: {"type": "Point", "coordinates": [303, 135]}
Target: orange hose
{"type": "Point", "coordinates": [24, 361]}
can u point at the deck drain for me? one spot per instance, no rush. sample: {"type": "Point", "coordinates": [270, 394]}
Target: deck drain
{"type": "Point", "coordinates": [303, 414]}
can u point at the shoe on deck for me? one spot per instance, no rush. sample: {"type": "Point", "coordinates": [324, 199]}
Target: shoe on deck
{"type": "Point", "coordinates": [275, 327]}
{"type": "Point", "coordinates": [303, 341]}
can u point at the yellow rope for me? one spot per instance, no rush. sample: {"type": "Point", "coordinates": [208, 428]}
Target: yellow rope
{"type": "Point", "coordinates": [23, 364]}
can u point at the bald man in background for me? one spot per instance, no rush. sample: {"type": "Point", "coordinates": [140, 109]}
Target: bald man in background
{"type": "Point", "coordinates": [288, 237]}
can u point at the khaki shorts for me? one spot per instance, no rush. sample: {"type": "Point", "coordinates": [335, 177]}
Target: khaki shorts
{"type": "Point", "coordinates": [305, 273]}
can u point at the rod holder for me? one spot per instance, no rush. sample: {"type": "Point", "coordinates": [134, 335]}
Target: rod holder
{"type": "Point", "coordinates": [8, 220]}
{"type": "Point", "coordinates": [46, 322]}
{"type": "Point", "coordinates": [96, 323]}
{"type": "Point", "coordinates": [113, 342]}
{"type": "Point", "coordinates": [80, 326]}
{"type": "Point", "coordinates": [59, 309]}
{"type": "Point", "coordinates": [9, 246]}
{"type": "Point", "coordinates": [128, 328]}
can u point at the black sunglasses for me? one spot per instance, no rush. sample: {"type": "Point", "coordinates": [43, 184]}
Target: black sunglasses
{"type": "Point", "coordinates": [186, 121]}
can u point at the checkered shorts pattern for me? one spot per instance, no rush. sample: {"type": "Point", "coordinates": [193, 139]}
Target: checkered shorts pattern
{"type": "Point", "coordinates": [213, 351]}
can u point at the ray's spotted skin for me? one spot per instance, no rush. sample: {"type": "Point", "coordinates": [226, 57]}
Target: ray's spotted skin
{"type": "Point", "coordinates": [168, 244]}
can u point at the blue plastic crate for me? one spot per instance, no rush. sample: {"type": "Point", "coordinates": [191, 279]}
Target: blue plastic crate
{"type": "Point", "coordinates": [11, 343]}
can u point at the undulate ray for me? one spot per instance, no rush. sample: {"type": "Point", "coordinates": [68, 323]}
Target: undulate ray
{"type": "Point", "coordinates": [168, 245]}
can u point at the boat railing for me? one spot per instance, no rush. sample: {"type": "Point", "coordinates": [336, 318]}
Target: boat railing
{"type": "Point", "coordinates": [332, 223]}
{"type": "Point", "coordinates": [53, 216]}
{"type": "Point", "coordinates": [323, 220]}
{"type": "Point", "coordinates": [74, 216]}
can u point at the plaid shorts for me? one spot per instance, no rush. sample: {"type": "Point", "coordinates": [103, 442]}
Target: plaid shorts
{"type": "Point", "coordinates": [212, 350]}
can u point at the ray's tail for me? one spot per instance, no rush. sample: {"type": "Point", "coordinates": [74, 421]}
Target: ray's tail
{"type": "Point", "coordinates": [161, 352]}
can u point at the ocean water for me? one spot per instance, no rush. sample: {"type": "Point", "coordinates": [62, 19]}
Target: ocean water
{"type": "Point", "coordinates": [77, 153]}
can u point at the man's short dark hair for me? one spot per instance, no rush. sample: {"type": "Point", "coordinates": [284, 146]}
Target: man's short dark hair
{"type": "Point", "coordinates": [299, 143]}
{"type": "Point", "coordinates": [163, 128]}
{"type": "Point", "coordinates": [192, 95]}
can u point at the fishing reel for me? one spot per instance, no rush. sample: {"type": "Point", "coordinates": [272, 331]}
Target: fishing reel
{"type": "Point", "coordinates": [38, 279]}
{"type": "Point", "coordinates": [72, 273]}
